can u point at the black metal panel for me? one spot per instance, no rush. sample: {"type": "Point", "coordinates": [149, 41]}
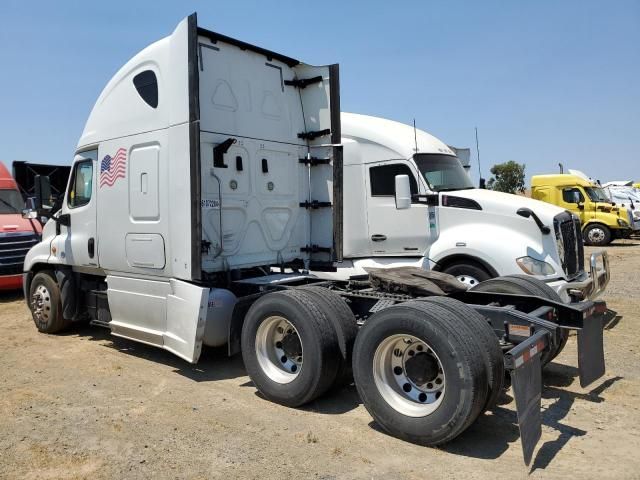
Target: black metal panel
{"type": "Point", "coordinates": [567, 315]}
{"type": "Point", "coordinates": [194, 148]}
{"type": "Point", "coordinates": [527, 388]}
{"type": "Point", "coordinates": [591, 350]}
{"type": "Point", "coordinates": [26, 172]}
{"type": "Point", "coordinates": [334, 105]}
{"type": "Point", "coordinates": [215, 37]}
{"type": "Point", "coordinates": [338, 231]}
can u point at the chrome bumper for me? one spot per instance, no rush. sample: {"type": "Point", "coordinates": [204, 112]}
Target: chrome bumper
{"type": "Point", "coordinates": [594, 284]}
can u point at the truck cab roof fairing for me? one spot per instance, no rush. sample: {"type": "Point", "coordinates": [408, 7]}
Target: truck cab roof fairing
{"type": "Point", "coordinates": [399, 139]}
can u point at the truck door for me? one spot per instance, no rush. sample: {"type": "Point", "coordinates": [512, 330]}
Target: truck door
{"type": "Point", "coordinates": [76, 244]}
{"type": "Point", "coordinates": [572, 198]}
{"type": "Point", "coordinates": [394, 232]}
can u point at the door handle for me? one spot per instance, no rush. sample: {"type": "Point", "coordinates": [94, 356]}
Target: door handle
{"type": "Point", "coordinates": [91, 246]}
{"type": "Point", "coordinates": [378, 238]}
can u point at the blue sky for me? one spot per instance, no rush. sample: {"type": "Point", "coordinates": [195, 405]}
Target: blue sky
{"type": "Point", "coordinates": [544, 81]}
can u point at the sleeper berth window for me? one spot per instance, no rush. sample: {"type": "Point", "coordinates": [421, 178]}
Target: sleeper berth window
{"type": "Point", "coordinates": [146, 84]}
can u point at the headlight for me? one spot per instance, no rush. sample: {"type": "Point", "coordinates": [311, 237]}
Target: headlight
{"type": "Point", "coordinates": [622, 223]}
{"type": "Point", "coordinates": [533, 266]}
{"type": "Point", "coordinates": [636, 214]}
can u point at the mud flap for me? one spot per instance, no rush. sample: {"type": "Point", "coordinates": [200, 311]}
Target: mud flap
{"type": "Point", "coordinates": [523, 361]}
{"type": "Point", "coordinates": [591, 346]}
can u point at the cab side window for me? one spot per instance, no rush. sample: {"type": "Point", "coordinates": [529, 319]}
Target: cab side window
{"type": "Point", "coordinates": [81, 184]}
{"type": "Point", "coordinates": [383, 179]}
{"type": "Point", "coordinates": [572, 195]}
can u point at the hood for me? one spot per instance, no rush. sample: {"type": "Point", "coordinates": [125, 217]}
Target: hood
{"type": "Point", "coordinates": [507, 204]}
{"type": "Point", "coordinates": [13, 222]}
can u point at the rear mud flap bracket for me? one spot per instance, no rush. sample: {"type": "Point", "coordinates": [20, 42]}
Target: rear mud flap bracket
{"type": "Point", "coordinates": [523, 361]}
{"type": "Point", "coordinates": [591, 348]}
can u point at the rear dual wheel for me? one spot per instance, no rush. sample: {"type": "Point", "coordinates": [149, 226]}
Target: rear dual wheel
{"type": "Point", "coordinates": [291, 345]}
{"type": "Point", "coordinates": [421, 371]}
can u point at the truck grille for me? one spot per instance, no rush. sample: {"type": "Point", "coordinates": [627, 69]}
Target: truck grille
{"type": "Point", "coordinates": [13, 248]}
{"type": "Point", "coordinates": [570, 244]}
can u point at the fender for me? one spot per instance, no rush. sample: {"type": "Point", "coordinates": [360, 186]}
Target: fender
{"type": "Point", "coordinates": [496, 247]}
{"type": "Point", "coordinates": [68, 297]}
{"type": "Point", "coordinates": [456, 257]}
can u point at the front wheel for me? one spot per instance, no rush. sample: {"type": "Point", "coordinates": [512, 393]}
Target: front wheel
{"type": "Point", "coordinates": [468, 273]}
{"type": "Point", "coordinates": [597, 235]}
{"type": "Point", "coordinates": [45, 304]}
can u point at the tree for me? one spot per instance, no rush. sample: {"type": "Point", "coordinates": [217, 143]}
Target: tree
{"type": "Point", "coordinates": [507, 177]}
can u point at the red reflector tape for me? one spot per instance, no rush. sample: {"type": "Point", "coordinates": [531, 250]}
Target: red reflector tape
{"type": "Point", "coordinates": [528, 354]}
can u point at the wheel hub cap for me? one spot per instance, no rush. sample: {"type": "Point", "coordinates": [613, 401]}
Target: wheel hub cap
{"type": "Point", "coordinates": [409, 375]}
{"type": "Point", "coordinates": [278, 349]}
{"type": "Point", "coordinates": [41, 303]}
{"type": "Point", "coordinates": [291, 345]}
{"type": "Point", "coordinates": [468, 280]}
{"type": "Point", "coordinates": [596, 235]}
{"type": "Point", "coordinates": [421, 368]}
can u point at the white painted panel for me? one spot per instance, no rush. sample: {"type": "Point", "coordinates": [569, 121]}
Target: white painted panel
{"type": "Point", "coordinates": [242, 93]}
{"type": "Point", "coordinates": [168, 314]}
{"type": "Point", "coordinates": [144, 198]}
{"type": "Point", "coordinates": [138, 308]}
{"type": "Point", "coordinates": [262, 222]}
{"type": "Point", "coordinates": [145, 250]}
{"type": "Point", "coordinates": [186, 320]}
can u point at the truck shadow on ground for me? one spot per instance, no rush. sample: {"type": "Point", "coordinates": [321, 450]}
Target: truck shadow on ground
{"type": "Point", "coordinates": [8, 296]}
{"type": "Point", "coordinates": [214, 363]}
{"type": "Point", "coordinates": [489, 437]}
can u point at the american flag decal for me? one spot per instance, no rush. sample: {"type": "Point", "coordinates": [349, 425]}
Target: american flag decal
{"type": "Point", "coordinates": [113, 168]}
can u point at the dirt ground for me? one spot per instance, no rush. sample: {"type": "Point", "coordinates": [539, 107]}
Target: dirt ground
{"type": "Point", "coordinates": [87, 405]}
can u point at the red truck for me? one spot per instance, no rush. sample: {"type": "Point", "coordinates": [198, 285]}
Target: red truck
{"type": "Point", "coordinates": [17, 235]}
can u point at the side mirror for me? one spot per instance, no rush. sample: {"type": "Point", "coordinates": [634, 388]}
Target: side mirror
{"type": "Point", "coordinates": [580, 206]}
{"type": "Point", "coordinates": [403, 192]}
{"type": "Point", "coordinates": [42, 190]}
{"type": "Point", "coordinates": [29, 214]}
{"type": "Point", "coordinates": [576, 197]}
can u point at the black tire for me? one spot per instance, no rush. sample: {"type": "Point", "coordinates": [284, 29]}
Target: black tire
{"type": "Point", "coordinates": [463, 269]}
{"type": "Point", "coordinates": [461, 361]}
{"type": "Point", "coordinates": [596, 234]}
{"type": "Point", "coordinates": [345, 326]}
{"type": "Point", "coordinates": [491, 350]}
{"type": "Point", "coordinates": [524, 285]}
{"type": "Point", "coordinates": [45, 305]}
{"type": "Point", "coordinates": [321, 356]}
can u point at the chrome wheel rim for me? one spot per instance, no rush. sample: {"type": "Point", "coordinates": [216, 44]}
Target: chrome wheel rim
{"type": "Point", "coordinates": [279, 349]}
{"type": "Point", "coordinates": [409, 375]}
{"type": "Point", "coordinates": [468, 280]}
{"type": "Point", "coordinates": [596, 235]}
{"type": "Point", "coordinates": [41, 303]}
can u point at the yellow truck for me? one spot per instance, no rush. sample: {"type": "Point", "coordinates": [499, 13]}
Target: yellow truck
{"type": "Point", "coordinates": [601, 221]}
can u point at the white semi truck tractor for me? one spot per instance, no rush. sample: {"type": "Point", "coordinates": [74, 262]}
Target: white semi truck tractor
{"type": "Point", "coordinates": [205, 162]}
{"type": "Point", "coordinates": [448, 225]}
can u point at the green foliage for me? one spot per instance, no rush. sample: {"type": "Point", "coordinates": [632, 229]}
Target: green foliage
{"type": "Point", "coordinates": [507, 177]}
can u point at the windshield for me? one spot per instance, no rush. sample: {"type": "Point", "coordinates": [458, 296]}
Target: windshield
{"type": "Point", "coordinates": [596, 194]}
{"type": "Point", "coordinates": [442, 172]}
{"type": "Point", "coordinates": [10, 201]}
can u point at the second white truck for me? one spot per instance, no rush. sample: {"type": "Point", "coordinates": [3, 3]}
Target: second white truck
{"type": "Point", "coordinates": [449, 226]}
